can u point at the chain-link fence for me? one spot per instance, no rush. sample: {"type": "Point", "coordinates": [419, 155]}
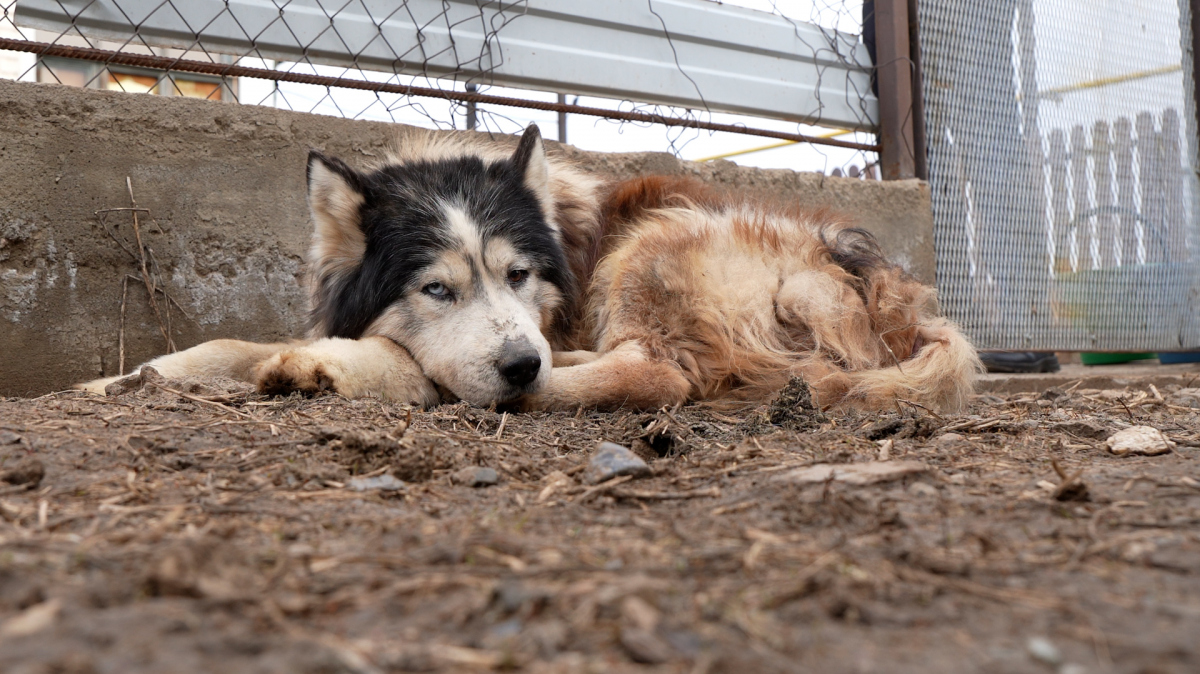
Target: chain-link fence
{"type": "Point", "coordinates": [1063, 156]}
{"type": "Point", "coordinates": [793, 72]}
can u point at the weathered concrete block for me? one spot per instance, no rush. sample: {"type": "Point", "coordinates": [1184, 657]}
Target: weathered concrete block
{"type": "Point", "coordinates": [228, 223]}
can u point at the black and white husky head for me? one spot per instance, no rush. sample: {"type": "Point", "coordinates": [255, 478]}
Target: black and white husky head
{"type": "Point", "coordinates": [455, 258]}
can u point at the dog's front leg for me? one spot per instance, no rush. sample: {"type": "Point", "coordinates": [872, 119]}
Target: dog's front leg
{"type": "Point", "coordinates": [231, 358]}
{"type": "Point", "coordinates": [623, 377]}
{"type": "Point", "coordinates": [355, 368]}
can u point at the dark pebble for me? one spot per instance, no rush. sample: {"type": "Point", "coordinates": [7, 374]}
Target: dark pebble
{"type": "Point", "coordinates": [612, 460]}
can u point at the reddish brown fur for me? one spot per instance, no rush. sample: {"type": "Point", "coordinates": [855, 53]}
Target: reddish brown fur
{"type": "Point", "coordinates": [649, 301]}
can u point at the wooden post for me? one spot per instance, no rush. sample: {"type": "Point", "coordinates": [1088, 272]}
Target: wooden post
{"type": "Point", "coordinates": [894, 74]}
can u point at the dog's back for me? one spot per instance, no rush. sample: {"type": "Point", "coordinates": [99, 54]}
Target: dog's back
{"type": "Point", "coordinates": [741, 295]}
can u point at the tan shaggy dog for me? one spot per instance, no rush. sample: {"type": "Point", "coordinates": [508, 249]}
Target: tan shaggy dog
{"type": "Point", "coordinates": [461, 268]}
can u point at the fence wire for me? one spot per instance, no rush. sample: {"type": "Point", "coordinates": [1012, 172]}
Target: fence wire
{"type": "Point", "coordinates": [451, 67]}
{"type": "Point", "coordinates": [1062, 155]}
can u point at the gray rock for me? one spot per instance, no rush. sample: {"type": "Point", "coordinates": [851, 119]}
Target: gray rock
{"type": "Point", "coordinates": [380, 482]}
{"type": "Point", "coordinates": [9, 438]}
{"type": "Point", "coordinates": [612, 460]}
{"type": "Point", "coordinates": [475, 476]}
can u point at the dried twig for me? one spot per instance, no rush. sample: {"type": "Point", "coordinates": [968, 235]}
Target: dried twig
{"type": "Point", "coordinates": [149, 273]}
{"type": "Point", "coordinates": [602, 487]}
{"type": "Point", "coordinates": [1072, 488]}
{"type": "Point", "coordinates": [206, 401]}
{"type": "Point", "coordinates": [146, 278]}
{"type": "Point", "coordinates": [121, 331]}
{"type": "Point", "coordinates": [1127, 410]}
{"type": "Point", "coordinates": [499, 431]}
{"type": "Point", "coordinates": [935, 415]}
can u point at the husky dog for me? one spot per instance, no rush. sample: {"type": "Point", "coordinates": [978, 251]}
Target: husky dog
{"type": "Point", "coordinates": [457, 268]}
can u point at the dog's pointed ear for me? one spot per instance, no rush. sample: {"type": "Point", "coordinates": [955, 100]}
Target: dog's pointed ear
{"type": "Point", "coordinates": [336, 194]}
{"type": "Point", "coordinates": [531, 163]}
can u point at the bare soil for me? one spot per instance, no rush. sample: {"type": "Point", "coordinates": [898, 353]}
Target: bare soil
{"type": "Point", "coordinates": [198, 527]}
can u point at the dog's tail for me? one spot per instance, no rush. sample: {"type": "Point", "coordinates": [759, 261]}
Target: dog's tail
{"type": "Point", "coordinates": [940, 375]}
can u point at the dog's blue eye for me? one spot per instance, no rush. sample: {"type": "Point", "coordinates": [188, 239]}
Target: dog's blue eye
{"type": "Point", "coordinates": [436, 290]}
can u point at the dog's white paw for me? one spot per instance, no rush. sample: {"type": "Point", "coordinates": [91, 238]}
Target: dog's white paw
{"type": "Point", "coordinates": [296, 370]}
{"type": "Point", "coordinates": [372, 367]}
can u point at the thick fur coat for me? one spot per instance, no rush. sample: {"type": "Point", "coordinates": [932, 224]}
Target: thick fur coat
{"type": "Point", "coordinates": [462, 268]}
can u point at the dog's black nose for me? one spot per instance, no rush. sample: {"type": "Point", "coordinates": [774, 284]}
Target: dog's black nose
{"type": "Point", "coordinates": [519, 364]}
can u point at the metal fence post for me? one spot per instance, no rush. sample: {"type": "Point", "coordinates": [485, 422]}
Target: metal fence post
{"type": "Point", "coordinates": [894, 73]}
{"type": "Point", "coordinates": [562, 120]}
{"type": "Point", "coordinates": [472, 108]}
{"type": "Point", "coordinates": [920, 145]}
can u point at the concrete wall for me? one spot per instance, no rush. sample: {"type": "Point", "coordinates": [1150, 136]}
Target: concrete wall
{"type": "Point", "coordinates": [225, 187]}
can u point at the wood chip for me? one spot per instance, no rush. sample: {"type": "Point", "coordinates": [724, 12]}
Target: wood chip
{"type": "Point", "coordinates": [859, 474]}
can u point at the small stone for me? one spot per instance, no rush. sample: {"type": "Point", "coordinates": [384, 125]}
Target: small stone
{"type": "Point", "coordinates": [1143, 440]}
{"type": "Point", "coordinates": [28, 472]}
{"type": "Point", "coordinates": [1043, 650]}
{"type": "Point", "coordinates": [949, 440]}
{"type": "Point", "coordinates": [475, 476]}
{"type": "Point", "coordinates": [9, 438]}
{"type": "Point", "coordinates": [645, 647]}
{"type": "Point", "coordinates": [612, 460]}
{"type": "Point", "coordinates": [380, 482]}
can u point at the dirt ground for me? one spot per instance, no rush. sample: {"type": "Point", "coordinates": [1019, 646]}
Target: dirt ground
{"type": "Point", "coordinates": [198, 527]}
